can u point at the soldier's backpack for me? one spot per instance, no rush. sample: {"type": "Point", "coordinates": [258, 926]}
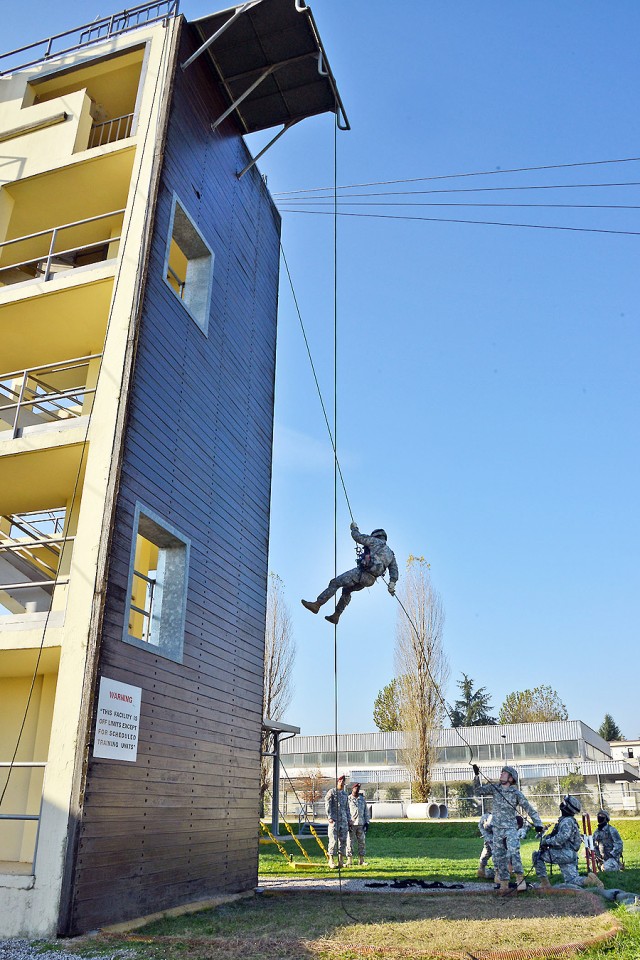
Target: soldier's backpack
{"type": "Point", "coordinates": [576, 838]}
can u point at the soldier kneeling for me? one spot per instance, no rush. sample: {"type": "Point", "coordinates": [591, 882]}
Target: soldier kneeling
{"type": "Point", "coordinates": [607, 843]}
{"type": "Point", "coordinates": [561, 846]}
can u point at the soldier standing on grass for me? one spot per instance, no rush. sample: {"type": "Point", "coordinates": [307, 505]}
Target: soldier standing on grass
{"type": "Point", "coordinates": [359, 814]}
{"type": "Point", "coordinates": [337, 809]}
{"type": "Point", "coordinates": [506, 842]}
{"type": "Point", "coordinates": [486, 829]}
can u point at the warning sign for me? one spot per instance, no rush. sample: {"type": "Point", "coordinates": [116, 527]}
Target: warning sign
{"type": "Point", "coordinates": [117, 721]}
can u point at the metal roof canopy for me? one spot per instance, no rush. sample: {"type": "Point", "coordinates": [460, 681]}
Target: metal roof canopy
{"type": "Point", "coordinates": [272, 66]}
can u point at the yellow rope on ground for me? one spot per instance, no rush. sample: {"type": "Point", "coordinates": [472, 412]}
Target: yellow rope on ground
{"type": "Point", "coordinates": [318, 840]}
{"type": "Point", "coordinates": [304, 852]}
{"type": "Point", "coordinates": [282, 850]}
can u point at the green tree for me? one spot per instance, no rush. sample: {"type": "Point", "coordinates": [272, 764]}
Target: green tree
{"type": "Point", "coordinates": [460, 798]}
{"type": "Point", "coordinates": [386, 708]}
{"type": "Point", "coordinates": [544, 796]}
{"type": "Point", "coordinates": [609, 729]}
{"type": "Point", "coordinates": [472, 708]}
{"type": "Point", "coordinates": [576, 784]}
{"type": "Point", "coordinates": [532, 706]}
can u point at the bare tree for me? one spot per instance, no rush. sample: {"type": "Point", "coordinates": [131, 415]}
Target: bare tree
{"type": "Point", "coordinates": [312, 786]}
{"type": "Point", "coordinates": [279, 657]}
{"type": "Point", "coordinates": [421, 672]}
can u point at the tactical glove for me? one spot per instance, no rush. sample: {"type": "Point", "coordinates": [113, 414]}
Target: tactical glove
{"type": "Point", "coordinates": [391, 587]}
{"type": "Point", "coordinates": [476, 769]}
{"type": "Point", "coordinates": [354, 525]}
{"type": "Point", "coordinates": [540, 830]}
{"type": "Point", "coordinates": [366, 827]}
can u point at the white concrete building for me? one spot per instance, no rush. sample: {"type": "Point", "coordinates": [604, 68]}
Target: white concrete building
{"type": "Point", "coordinates": [551, 759]}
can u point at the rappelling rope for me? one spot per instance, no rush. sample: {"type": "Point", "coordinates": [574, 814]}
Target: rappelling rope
{"type": "Point", "coordinates": [339, 475]}
{"type": "Point", "coordinates": [444, 703]}
{"type": "Point", "coordinates": [317, 382]}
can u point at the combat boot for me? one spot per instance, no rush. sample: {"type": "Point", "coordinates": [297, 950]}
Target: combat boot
{"type": "Point", "coordinates": [482, 872]}
{"type": "Point", "coordinates": [349, 861]}
{"type": "Point", "coordinates": [362, 862]}
{"type": "Point", "coordinates": [544, 883]}
{"type": "Point", "coordinates": [503, 889]}
{"type": "Point", "coordinates": [340, 861]}
{"type": "Point", "coordinates": [313, 605]}
{"type": "Point", "coordinates": [521, 883]}
{"type": "Point", "coordinates": [332, 865]}
{"type": "Point", "coordinates": [333, 618]}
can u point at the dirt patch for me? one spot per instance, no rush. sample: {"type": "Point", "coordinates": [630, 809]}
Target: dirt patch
{"type": "Point", "coordinates": [298, 926]}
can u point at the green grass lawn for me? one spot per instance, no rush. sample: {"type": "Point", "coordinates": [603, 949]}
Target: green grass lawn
{"type": "Point", "coordinates": [437, 851]}
{"type": "Point", "coordinates": [325, 926]}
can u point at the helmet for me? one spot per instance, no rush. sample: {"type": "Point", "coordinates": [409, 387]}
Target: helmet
{"type": "Point", "coordinates": [379, 533]}
{"type": "Point", "coordinates": [603, 815]}
{"type": "Point", "coordinates": [513, 773]}
{"type": "Point", "coordinates": [571, 805]}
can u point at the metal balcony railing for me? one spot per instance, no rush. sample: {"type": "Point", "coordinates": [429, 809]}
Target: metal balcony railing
{"type": "Point", "coordinates": [35, 396]}
{"type": "Point", "coordinates": [176, 282]}
{"type": "Point", "coordinates": [50, 261]}
{"type": "Point", "coordinates": [10, 766]}
{"type": "Point", "coordinates": [146, 611]}
{"type": "Point", "coordinates": [31, 548]}
{"type": "Point", "coordinates": [110, 131]}
{"type": "Point", "coordinates": [103, 28]}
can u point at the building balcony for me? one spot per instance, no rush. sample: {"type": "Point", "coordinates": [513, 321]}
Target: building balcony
{"type": "Point", "coordinates": [38, 398]}
{"type": "Point", "coordinates": [35, 557]}
{"type": "Point", "coordinates": [19, 827]}
{"type": "Point", "coordinates": [48, 253]}
{"type": "Point", "coordinates": [67, 219]}
{"type": "Point", "coordinates": [99, 30]}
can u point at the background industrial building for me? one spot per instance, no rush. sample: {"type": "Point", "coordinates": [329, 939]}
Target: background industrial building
{"type": "Point", "coordinates": [551, 759]}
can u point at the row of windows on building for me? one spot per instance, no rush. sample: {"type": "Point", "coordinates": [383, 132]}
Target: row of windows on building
{"type": "Point", "coordinates": [554, 749]}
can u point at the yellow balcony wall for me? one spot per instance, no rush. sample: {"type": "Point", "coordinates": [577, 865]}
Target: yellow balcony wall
{"type": "Point", "coordinates": [50, 323]}
{"type": "Point", "coordinates": [43, 121]}
{"type": "Point", "coordinates": [25, 782]}
{"type": "Point", "coordinates": [83, 202]}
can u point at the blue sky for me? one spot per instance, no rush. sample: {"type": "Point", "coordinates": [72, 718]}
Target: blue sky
{"type": "Point", "coordinates": [487, 375]}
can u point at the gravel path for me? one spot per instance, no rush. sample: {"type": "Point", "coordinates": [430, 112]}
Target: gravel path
{"type": "Point", "coordinates": [27, 950]}
{"type": "Point", "coordinates": [353, 885]}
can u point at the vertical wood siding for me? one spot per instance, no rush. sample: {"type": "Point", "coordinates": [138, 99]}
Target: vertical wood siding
{"type": "Point", "coordinates": [181, 823]}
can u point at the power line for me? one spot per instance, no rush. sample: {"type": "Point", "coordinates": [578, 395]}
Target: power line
{"type": "Point", "coordinates": [417, 193]}
{"type": "Point", "coordinates": [455, 176]}
{"type": "Point", "coordinates": [490, 223]}
{"type": "Point", "coordinates": [456, 203]}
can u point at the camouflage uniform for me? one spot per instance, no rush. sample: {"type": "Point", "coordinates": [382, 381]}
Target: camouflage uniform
{"type": "Point", "coordinates": [382, 557]}
{"type": "Point", "coordinates": [561, 847]}
{"type": "Point", "coordinates": [485, 828]}
{"type": "Point", "coordinates": [359, 816]}
{"type": "Point", "coordinates": [337, 810]}
{"type": "Point", "coordinates": [608, 846]}
{"type": "Point", "coordinates": [506, 842]}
